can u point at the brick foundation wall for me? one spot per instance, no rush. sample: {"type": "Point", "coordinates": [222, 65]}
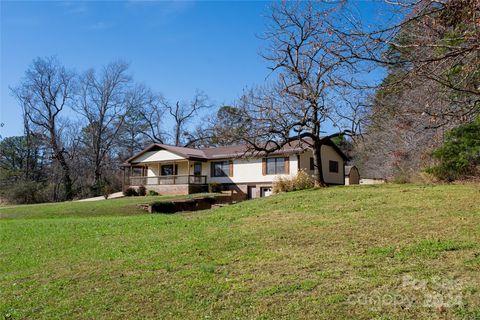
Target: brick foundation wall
{"type": "Point", "coordinates": [240, 191]}
{"type": "Point", "coordinates": [237, 191]}
{"type": "Point", "coordinates": [170, 190]}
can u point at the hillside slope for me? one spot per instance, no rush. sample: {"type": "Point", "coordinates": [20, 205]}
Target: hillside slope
{"type": "Point", "coordinates": [392, 251]}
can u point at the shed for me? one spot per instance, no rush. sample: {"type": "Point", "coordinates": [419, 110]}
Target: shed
{"type": "Point", "coordinates": [352, 176]}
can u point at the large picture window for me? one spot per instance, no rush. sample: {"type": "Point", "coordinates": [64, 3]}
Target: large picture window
{"type": "Point", "coordinates": [220, 169]}
{"type": "Point", "coordinates": [333, 166]}
{"type": "Point", "coordinates": [275, 165]}
{"type": "Point", "coordinates": [169, 170]}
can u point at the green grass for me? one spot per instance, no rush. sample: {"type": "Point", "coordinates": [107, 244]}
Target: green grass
{"type": "Point", "coordinates": [111, 207]}
{"type": "Point", "coordinates": [302, 255]}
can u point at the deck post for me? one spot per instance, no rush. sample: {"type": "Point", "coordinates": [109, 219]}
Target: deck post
{"type": "Point", "coordinates": [124, 180]}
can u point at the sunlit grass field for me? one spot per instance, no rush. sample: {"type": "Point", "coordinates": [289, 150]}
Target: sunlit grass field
{"type": "Point", "coordinates": [78, 209]}
{"type": "Point", "coordinates": [364, 252]}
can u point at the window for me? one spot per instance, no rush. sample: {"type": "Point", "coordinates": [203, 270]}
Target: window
{"type": "Point", "coordinates": [220, 169]}
{"type": "Point", "coordinates": [137, 171]}
{"type": "Point", "coordinates": [275, 165]}
{"type": "Point", "coordinates": [167, 170]}
{"type": "Point", "coordinates": [333, 166]}
{"type": "Point", "coordinates": [197, 168]}
{"type": "Point", "coordinates": [312, 165]}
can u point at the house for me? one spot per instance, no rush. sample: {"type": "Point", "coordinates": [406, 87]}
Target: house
{"type": "Point", "coordinates": [352, 175]}
{"type": "Point", "coordinates": [172, 170]}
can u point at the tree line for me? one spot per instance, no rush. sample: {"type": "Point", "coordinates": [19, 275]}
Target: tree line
{"type": "Point", "coordinates": [320, 54]}
{"type": "Point", "coordinates": [79, 127]}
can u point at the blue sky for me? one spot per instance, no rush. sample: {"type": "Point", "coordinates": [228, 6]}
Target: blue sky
{"type": "Point", "coordinates": [174, 48]}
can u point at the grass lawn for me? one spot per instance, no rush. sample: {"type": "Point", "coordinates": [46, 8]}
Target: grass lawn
{"type": "Point", "coordinates": [112, 207]}
{"type": "Point", "coordinates": [383, 252]}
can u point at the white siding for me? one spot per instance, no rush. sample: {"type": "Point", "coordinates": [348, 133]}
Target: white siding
{"type": "Point", "coordinates": [305, 162]}
{"type": "Point", "coordinates": [159, 155]}
{"type": "Point", "coordinates": [245, 171]}
{"type": "Point", "coordinates": [328, 153]}
{"type": "Point", "coordinates": [154, 168]}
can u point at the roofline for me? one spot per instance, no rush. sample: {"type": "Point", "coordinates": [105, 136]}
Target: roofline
{"type": "Point", "coordinates": [339, 151]}
{"type": "Point", "coordinates": [140, 153]}
{"type": "Point", "coordinates": [166, 147]}
{"type": "Point", "coordinates": [295, 150]}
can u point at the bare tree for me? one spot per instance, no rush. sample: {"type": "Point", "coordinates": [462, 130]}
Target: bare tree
{"type": "Point", "coordinates": [183, 112]}
{"type": "Point", "coordinates": [225, 127]}
{"type": "Point", "coordinates": [432, 58]}
{"type": "Point", "coordinates": [44, 93]}
{"type": "Point", "coordinates": [156, 110]}
{"type": "Point", "coordinates": [310, 68]}
{"type": "Point", "coordinates": [152, 115]}
{"type": "Point", "coordinates": [104, 101]}
{"type": "Point", "coordinates": [435, 45]}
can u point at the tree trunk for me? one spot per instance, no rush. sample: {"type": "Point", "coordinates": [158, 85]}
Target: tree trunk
{"type": "Point", "coordinates": [59, 156]}
{"type": "Point", "coordinates": [67, 184]}
{"type": "Point", "coordinates": [67, 180]}
{"type": "Point", "coordinates": [177, 135]}
{"type": "Point", "coordinates": [96, 177]}
{"type": "Point", "coordinates": [317, 165]}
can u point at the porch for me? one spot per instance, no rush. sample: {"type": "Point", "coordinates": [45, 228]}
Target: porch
{"type": "Point", "coordinates": [167, 180]}
{"type": "Point", "coordinates": [167, 177]}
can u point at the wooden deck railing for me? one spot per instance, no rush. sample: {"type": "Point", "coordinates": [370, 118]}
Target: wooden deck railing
{"type": "Point", "coordinates": [167, 180]}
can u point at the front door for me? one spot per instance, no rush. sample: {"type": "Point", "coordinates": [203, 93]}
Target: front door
{"type": "Point", "coordinates": [197, 168]}
{"type": "Point", "coordinates": [197, 172]}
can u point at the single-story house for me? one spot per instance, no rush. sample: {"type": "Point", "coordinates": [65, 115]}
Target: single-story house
{"type": "Point", "coordinates": [172, 170]}
{"type": "Point", "coordinates": [352, 175]}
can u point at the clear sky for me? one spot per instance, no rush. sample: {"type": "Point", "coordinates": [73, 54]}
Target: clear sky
{"type": "Point", "coordinates": [174, 48]}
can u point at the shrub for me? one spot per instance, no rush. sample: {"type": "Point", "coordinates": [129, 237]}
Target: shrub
{"type": "Point", "coordinates": [301, 181]}
{"type": "Point", "coordinates": [401, 178]}
{"type": "Point", "coordinates": [153, 193]}
{"type": "Point", "coordinates": [425, 178]}
{"type": "Point", "coordinates": [142, 191]}
{"type": "Point", "coordinates": [214, 187]}
{"type": "Point", "coordinates": [282, 185]}
{"type": "Point", "coordinates": [459, 156]}
{"type": "Point", "coordinates": [23, 192]}
{"type": "Point", "coordinates": [107, 189]}
{"type": "Point", "coordinates": [130, 192]}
